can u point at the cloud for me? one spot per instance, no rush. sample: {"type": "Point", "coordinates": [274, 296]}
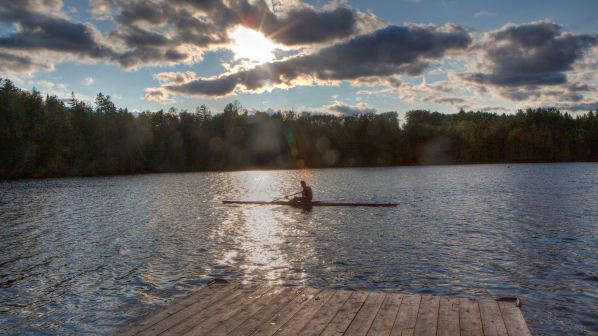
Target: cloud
{"type": "Point", "coordinates": [386, 52]}
{"type": "Point", "coordinates": [46, 84]}
{"type": "Point", "coordinates": [484, 108]}
{"type": "Point", "coordinates": [585, 106]}
{"type": "Point", "coordinates": [149, 56]}
{"type": "Point", "coordinates": [484, 13]}
{"type": "Point", "coordinates": [163, 32]}
{"type": "Point", "coordinates": [158, 94]}
{"type": "Point", "coordinates": [87, 81]}
{"type": "Point", "coordinates": [535, 54]}
{"type": "Point", "coordinates": [39, 6]}
{"type": "Point", "coordinates": [11, 63]}
{"type": "Point", "coordinates": [175, 77]}
{"type": "Point", "coordinates": [40, 30]}
{"type": "Point", "coordinates": [448, 101]}
{"type": "Point", "coordinates": [160, 28]}
{"type": "Point", "coordinates": [342, 109]}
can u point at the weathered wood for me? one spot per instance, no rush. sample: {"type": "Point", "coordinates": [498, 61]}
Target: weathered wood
{"type": "Point", "coordinates": [407, 316]}
{"type": "Point", "coordinates": [492, 322]}
{"type": "Point", "coordinates": [242, 310]}
{"type": "Point", "coordinates": [206, 296]}
{"type": "Point", "coordinates": [191, 310]}
{"type": "Point", "coordinates": [513, 319]}
{"type": "Point", "coordinates": [341, 321]}
{"type": "Point", "coordinates": [197, 313]}
{"type": "Point", "coordinates": [317, 324]}
{"type": "Point", "coordinates": [271, 311]}
{"type": "Point", "coordinates": [448, 317]}
{"type": "Point", "coordinates": [364, 319]}
{"type": "Point", "coordinates": [427, 317]}
{"type": "Point", "coordinates": [385, 319]}
{"type": "Point", "coordinates": [305, 314]}
{"type": "Point", "coordinates": [469, 318]}
{"type": "Point", "coordinates": [238, 319]}
{"type": "Point", "coordinates": [279, 320]}
{"type": "Point", "coordinates": [232, 309]}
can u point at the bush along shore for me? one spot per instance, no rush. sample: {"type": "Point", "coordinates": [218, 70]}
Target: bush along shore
{"type": "Point", "coordinates": [44, 137]}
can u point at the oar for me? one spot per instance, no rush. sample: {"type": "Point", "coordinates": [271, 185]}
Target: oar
{"type": "Point", "coordinates": [278, 199]}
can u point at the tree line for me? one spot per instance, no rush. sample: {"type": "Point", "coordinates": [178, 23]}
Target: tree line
{"type": "Point", "coordinates": [44, 137]}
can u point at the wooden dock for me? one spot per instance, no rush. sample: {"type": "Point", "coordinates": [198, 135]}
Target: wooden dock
{"type": "Point", "coordinates": [234, 309]}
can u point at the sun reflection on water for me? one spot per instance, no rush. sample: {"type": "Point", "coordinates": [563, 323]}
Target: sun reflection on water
{"type": "Point", "coordinates": [260, 232]}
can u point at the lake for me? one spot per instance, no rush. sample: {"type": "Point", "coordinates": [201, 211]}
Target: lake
{"type": "Point", "coordinates": [91, 255]}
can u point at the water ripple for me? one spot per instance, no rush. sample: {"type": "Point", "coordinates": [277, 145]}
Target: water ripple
{"type": "Point", "coordinates": [90, 255]}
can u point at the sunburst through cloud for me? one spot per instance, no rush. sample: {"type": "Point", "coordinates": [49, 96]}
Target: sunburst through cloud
{"type": "Point", "coordinates": [253, 46]}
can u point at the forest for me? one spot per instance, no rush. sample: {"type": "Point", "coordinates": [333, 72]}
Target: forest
{"type": "Point", "coordinates": [45, 137]}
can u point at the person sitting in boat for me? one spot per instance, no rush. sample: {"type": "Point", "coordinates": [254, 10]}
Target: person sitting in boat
{"type": "Point", "coordinates": [306, 194]}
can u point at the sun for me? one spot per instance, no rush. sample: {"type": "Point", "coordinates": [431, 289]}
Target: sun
{"type": "Point", "coordinates": [252, 45]}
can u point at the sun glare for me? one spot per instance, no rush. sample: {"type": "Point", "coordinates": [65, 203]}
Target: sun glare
{"type": "Point", "coordinates": [252, 45]}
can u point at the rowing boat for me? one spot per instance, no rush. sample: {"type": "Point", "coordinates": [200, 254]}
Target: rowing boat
{"type": "Point", "coordinates": [316, 203]}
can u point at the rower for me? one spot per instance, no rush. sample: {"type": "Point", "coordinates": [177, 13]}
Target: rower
{"type": "Point", "coordinates": [306, 194]}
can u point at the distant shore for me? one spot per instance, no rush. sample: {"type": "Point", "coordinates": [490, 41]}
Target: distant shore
{"type": "Point", "coordinates": [44, 137]}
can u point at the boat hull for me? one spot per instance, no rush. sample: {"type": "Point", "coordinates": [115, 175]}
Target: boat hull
{"type": "Point", "coordinates": [317, 203]}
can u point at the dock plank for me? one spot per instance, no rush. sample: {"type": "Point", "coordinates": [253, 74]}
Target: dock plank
{"type": "Point", "coordinates": [385, 319]}
{"type": "Point", "coordinates": [321, 319]}
{"type": "Point", "coordinates": [262, 310]}
{"type": "Point", "coordinates": [448, 317]}
{"type": "Point", "coordinates": [270, 312]}
{"type": "Point", "coordinates": [492, 321]}
{"type": "Point", "coordinates": [195, 314]}
{"type": "Point", "coordinates": [513, 318]}
{"type": "Point", "coordinates": [406, 318]}
{"type": "Point", "coordinates": [469, 318]}
{"type": "Point", "coordinates": [427, 317]}
{"type": "Point", "coordinates": [289, 318]}
{"type": "Point", "coordinates": [206, 296]}
{"type": "Point", "coordinates": [246, 313]}
{"type": "Point", "coordinates": [305, 314]}
{"type": "Point", "coordinates": [232, 309]}
{"type": "Point", "coordinates": [341, 321]}
{"type": "Point", "coordinates": [364, 319]}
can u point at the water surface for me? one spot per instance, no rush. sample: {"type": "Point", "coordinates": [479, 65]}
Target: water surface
{"type": "Point", "coordinates": [91, 255]}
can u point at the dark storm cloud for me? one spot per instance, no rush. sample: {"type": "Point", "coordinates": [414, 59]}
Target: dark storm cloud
{"type": "Point", "coordinates": [306, 26]}
{"type": "Point", "coordinates": [533, 54]}
{"type": "Point", "coordinates": [581, 107]}
{"type": "Point", "coordinates": [13, 63]}
{"type": "Point", "coordinates": [137, 56]}
{"type": "Point", "coordinates": [404, 50]}
{"type": "Point", "coordinates": [139, 37]}
{"type": "Point", "coordinates": [515, 80]}
{"type": "Point", "coordinates": [578, 87]}
{"type": "Point", "coordinates": [40, 31]}
{"type": "Point", "coordinates": [13, 6]}
{"type": "Point", "coordinates": [218, 87]}
{"type": "Point", "coordinates": [153, 12]}
{"type": "Point", "coordinates": [448, 101]}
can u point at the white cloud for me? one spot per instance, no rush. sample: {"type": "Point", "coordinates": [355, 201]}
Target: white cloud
{"type": "Point", "coordinates": [87, 81]}
{"type": "Point", "coordinates": [46, 84]}
{"type": "Point", "coordinates": [340, 108]}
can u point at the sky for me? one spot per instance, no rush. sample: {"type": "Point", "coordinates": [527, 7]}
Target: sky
{"type": "Point", "coordinates": [339, 57]}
